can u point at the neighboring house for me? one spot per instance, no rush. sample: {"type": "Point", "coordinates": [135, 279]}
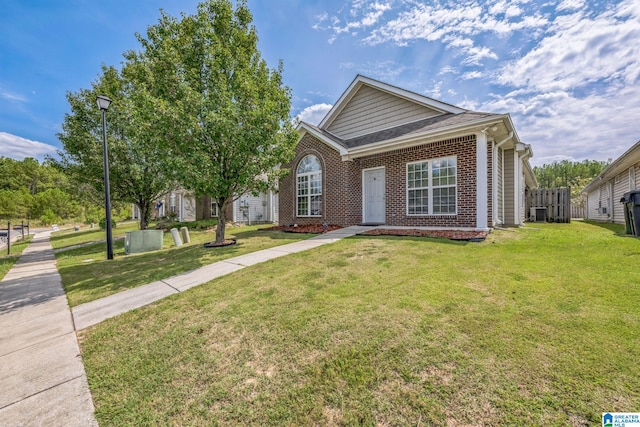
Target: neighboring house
{"type": "Point", "coordinates": [605, 191]}
{"type": "Point", "coordinates": [385, 155]}
{"type": "Point", "coordinates": [250, 209]}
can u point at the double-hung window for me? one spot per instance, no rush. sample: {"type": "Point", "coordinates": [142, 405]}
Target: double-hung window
{"type": "Point", "coordinates": [309, 187]}
{"type": "Point", "coordinates": [431, 187]}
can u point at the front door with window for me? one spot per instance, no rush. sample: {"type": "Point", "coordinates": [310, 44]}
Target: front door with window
{"type": "Point", "coordinates": [373, 183]}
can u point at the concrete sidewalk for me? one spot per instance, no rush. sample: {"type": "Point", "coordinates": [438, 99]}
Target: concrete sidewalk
{"type": "Point", "coordinates": [42, 379]}
{"type": "Point", "coordinates": [94, 312]}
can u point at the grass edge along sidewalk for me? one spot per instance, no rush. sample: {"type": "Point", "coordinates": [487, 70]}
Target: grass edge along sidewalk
{"type": "Point", "coordinates": [532, 327]}
{"type": "Point", "coordinates": [96, 311]}
{"type": "Point", "coordinates": [87, 275]}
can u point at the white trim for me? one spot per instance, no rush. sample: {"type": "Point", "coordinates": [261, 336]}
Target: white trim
{"type": "Point", "coordinates": [303, 128]}
{"type": "Point", "coordinates": [439, 134]}
{"type": "Point", "coordinates": [360, 80]}
{"type": "Point", "coordinates": [309, 195]}
{"type": "Point", "coordinates": [482, 199]}
{"type": "Point", "coordinates": [430, 187]}
{"type": "Point", "coordinates": [516, 187]}
{"type": "Point", "coordinates": [364, 199]}
{"type": "Point", "coordinates": [625, 161]}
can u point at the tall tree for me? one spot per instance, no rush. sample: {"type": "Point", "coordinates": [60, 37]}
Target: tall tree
{"type": "Point", "coordinates": [136, 170]}
{"type": "Point", "coordinates": [569, 174]}
{"type": "Point", "coordinates": [224, 114]}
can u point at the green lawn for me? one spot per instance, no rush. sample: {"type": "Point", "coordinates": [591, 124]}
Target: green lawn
{"type": "Point", "coordinates": [69, 237]}
{"type": "Point", "coordinates": [88, 275]}
{"type": "Point", "coordinates": [7, 261]}
{"type": "Point", "coordinates": [537, 326]}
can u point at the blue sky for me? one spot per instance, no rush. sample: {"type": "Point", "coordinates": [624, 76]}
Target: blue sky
{"type": "Point", "coordinates": [568, 71]}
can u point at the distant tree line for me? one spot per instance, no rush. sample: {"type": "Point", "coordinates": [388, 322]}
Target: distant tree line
{"type": "Point", "coordinates": [30, 190]}
{"type": "Point", "coordinates": [565, 173]}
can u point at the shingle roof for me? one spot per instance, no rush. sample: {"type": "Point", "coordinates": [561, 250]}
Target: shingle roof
{"type": "Point", "coordinates": [420, 126]}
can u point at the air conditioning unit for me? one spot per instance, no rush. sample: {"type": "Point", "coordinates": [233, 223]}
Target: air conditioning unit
{"type": "Point", "coordinates": [538, 214]}
{"type": "Point", "coordinates": [602, 210]}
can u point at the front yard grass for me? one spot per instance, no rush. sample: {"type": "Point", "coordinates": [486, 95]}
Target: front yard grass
{"type": "Point", "coordinates": [88, 275]}
{"type": "Point", "coordinates": [537, 326]}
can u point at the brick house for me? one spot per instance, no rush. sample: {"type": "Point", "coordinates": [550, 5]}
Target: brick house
{"type": "Point", "coordinates": [385, 155]}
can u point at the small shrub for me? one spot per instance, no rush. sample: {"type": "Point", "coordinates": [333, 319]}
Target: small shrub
{"type": "Point", "coordinates": [103, 223]}
{"type": "Point", "coordinates": [49, 218]}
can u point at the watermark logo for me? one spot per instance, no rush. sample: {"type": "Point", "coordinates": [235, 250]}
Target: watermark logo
{"type": "Point", "coordinates": [621, 419]}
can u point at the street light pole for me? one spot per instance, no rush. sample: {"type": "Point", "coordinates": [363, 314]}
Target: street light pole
{"type": "Point", "coordinates": [103, 104]}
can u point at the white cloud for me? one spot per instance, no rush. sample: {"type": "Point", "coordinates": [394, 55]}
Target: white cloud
{"type": "Point", "coordinates": [579, 51]}
{"type": "Point", "coordinates": [457, 25]}
{"type": "Point", "coordinates": [570, 5]}
{"type": "Point", "coordinates": [12, 96]}
{"type": "Point", "coordinates": [386, 71]}
{"type": "Point", "coordinates": [17, 147]}
{"type": "Point", "coordinates": [472, 75]}
{"type": "Point", "coordinates": [314, 113]}
{"type": "Point", "coordinates": [561, 124]}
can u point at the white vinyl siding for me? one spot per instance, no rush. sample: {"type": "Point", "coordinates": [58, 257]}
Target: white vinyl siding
{"type": "Point", "coordinates": [500, 213]}
{"type": "Point", "coordinates": [371, 110]}
{"type": "Point", "coordinates": [508, 171]}
{"type": "Point", "coordinates": [255, 209]}
{"type": "Point", "coordinates": [620, 186]}
{"type": "Point", "coordinates": [431, 187]}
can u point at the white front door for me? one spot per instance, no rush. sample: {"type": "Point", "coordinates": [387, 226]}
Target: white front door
{"type": "Point", "coordinates": [374, 200]}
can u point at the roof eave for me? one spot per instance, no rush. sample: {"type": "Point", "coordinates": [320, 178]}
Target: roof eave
{"type": "Point", "coordinates": [303, 128]}
{"type": "Point", "coordinates": [622, 163]}
{"type": "Point", "coordinates": [421, 138]}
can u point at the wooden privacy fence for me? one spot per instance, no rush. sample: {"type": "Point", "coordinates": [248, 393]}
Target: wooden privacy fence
{"type": "Point", "coordinates": [577, 211]}
{"type": "Point", "coordinates": [549, 205]}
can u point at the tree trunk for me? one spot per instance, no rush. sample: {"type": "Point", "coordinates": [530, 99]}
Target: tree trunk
{"type": "Point", "coordinates": [145, 214]}
{"type": "Point", "coordinates": [222, 219]}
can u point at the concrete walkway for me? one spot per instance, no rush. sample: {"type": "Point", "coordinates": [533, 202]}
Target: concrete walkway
{"type": "Point", "coordinates": [42, 379]}
{"type": "Point", "coordinates": [94, 312]}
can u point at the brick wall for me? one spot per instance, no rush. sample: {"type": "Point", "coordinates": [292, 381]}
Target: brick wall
{"type": "Point", "coordinates": [342, 184]}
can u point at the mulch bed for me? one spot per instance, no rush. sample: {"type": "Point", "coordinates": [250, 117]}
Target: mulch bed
{"type": "Point", "coordinates": [226, 242]}
{"type": "Point", "coordinates": [309, 228]}
{"type": "Point", "coordinates": [474, 236]}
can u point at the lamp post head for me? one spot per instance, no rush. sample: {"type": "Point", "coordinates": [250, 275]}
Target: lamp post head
{"type": "Point", "coordinates": [103, 102]}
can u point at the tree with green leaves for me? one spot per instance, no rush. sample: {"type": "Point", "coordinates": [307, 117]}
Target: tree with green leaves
{"type": "Point", "coordinates": [223, 114]}
{"type": "Point", "coordinates": [136, 169]}
{"type": "Point", "coordinates": [569, 174]}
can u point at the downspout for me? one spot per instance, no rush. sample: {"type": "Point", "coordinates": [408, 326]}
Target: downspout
{"type": "Point", "coordinates": [525, 154]}
{"type": "Point", "coordinates": [496, 217]}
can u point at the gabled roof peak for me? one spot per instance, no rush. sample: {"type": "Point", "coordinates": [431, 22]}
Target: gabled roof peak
{"type": "Point", "coordinates": [361, 80]}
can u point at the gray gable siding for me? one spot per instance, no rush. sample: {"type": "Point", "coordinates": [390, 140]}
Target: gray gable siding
{"type": "Point", "coordinates": [371, 110]}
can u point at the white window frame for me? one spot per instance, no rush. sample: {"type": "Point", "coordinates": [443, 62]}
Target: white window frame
{"type": "Point", "coordinates": [430, 187]}
{"type": "Point", "coordinates": [172, 203]}
{"type": "Point", "coordinates": [213, 209]}
{"type": "Point", "coordinates": [309, 195]}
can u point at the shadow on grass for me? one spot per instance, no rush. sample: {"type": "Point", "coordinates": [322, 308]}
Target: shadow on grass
{"type": "Point", "coordinates": [88, 275]}
{"type": "Point", "coordinates": [617, 229]}
{"type": "Point", "coordinates": [419, 239]}
{"type": "Point", "coordinates": [62, 236]}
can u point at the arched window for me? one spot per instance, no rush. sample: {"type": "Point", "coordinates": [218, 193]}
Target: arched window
{"type": "Point", "coordinates": [309, 187]}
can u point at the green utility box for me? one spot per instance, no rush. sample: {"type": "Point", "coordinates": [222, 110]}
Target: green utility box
{"type": "Point", "coordinates": [142, 241]}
